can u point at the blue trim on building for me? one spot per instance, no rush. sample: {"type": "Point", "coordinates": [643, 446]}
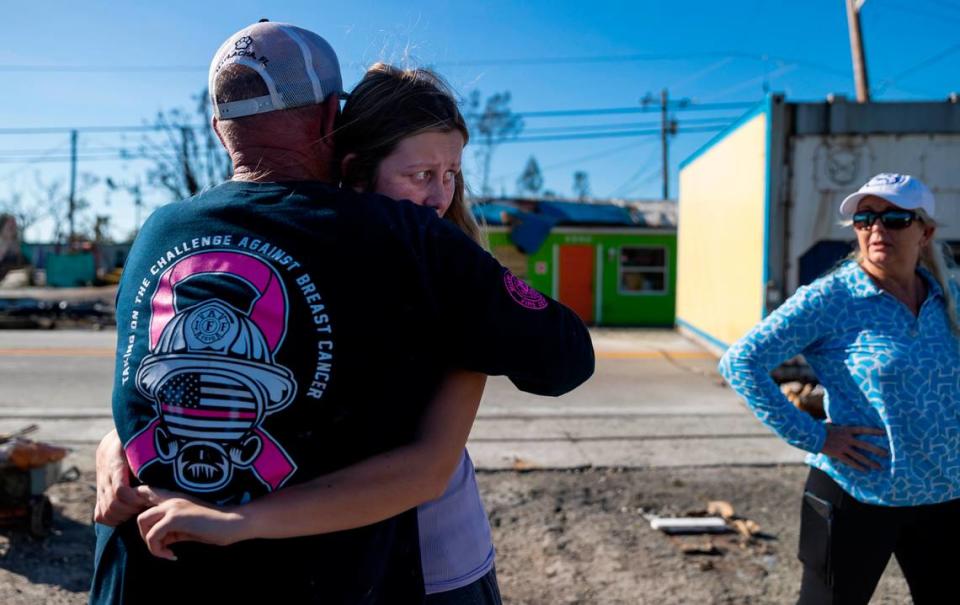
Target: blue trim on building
{"type": "Point", "coordinates": [767, 106]}
{"type": "Point", "coordinates": [712, 340]}
{"type": "Point", "coordinates": [761, 107]}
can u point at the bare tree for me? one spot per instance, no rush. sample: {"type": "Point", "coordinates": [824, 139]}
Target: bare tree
{"type": "Point", "coordinates": [100, 229]}
{"type": "Point", "coordinates": [493, 124]}
{"type": "Point", "coordinates": [134, 189]}
{"type": "Point", "coordinates": [531, 179]}
{"type": "Point", "coordinates": [54, 201]}
{"type": "Point", "coordinates": [581, 185]}
{"type": "Point", "coordinates": [187, 156]}
{"type": "Point", "coordinates": [25, 213]}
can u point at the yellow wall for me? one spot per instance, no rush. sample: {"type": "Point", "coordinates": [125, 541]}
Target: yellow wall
{"type": "Point", "coordinates": [720, 286]}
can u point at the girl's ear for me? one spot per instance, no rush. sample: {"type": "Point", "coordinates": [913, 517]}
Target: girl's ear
{"type": "Point", "coordinates": [345, 165]}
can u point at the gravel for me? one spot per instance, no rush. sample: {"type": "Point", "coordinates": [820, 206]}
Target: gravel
{"type": "Point", "coordinates": [562, 537]}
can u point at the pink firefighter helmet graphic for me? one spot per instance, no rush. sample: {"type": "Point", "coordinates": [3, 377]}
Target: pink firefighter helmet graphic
{"type": "Point", "coordinates": [211, 372]}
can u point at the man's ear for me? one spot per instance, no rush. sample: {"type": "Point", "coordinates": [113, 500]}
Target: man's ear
{"type": "Point", "coordinates": [215, 123]}
{"type": "Point", "coordinates": [328, 118]}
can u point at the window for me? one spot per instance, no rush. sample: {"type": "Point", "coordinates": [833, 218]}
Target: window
{"type": "Point", "coordinates": [643, 270]}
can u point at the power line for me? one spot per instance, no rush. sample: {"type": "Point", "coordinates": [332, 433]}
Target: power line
{"type": "Point", "coordinates": [643, 170]}
{"type": "Point", "coordinates": [19, 169]}
{"type": "Point", "coordinates": [82, 129]}
{"type": "Point", "coordinates": [918, 11]}
{"type": "Point", "coordinates": [622, 125]}
{"type": "Point", "coordinates": [633, 110]}
{"type": "Point", "coordinates": [943, 54]}
{"type": "Point", "coordinates": [120, 154]}
{"type": "Point", "coordinates": [506, 62]}
{"type": "Point", "coordinates": [609, 135]}
{"type": "Point", "coordinates": [525, 114]}
{"type": "Point", "coordinates": [86, 149]}
{"type": "Point", "coordinates": [503, 62]}
{"type": "Point", "coordinates": [626, 58]}
{"type": "Point", "coordinates": [522, 61]}
{"type": "Point", "coordinates": [577, 160]}
{"type": "Point", "coordinates": [80, 158]}
{"type": "Point", "coordinates": [629, 58]}
{"type": "Point", "coordinates": [654, 174]}
{"type": "Point", "coordinates": [99, 68]}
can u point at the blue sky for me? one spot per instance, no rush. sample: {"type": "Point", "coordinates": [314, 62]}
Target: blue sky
{"type": "Point", "coordinates": [82, 64]}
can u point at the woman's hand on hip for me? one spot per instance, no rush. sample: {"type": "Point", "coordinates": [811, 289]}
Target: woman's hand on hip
{"type": "Point", "coordinates": [843, 444]}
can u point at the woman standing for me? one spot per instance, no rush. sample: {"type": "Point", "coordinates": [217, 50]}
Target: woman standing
{"type": "Point", "coordinates": [881, 333]}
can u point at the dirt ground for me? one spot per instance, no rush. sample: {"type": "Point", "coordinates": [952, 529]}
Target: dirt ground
{"type": "Point", "coordinates": [562, 537]}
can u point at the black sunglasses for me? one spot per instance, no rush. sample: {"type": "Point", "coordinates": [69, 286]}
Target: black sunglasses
{"type": "Point", "coordinates": [891, 219]}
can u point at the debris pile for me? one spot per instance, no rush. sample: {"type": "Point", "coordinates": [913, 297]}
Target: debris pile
{"type": "Point", "coordinates": [806, 396]}
{"type": "Point", "coordinates": [27, 469]}
{"type": "Point", "coordinates": [31, 313]}
{"type": "Point", "coordinates": [712, 531]}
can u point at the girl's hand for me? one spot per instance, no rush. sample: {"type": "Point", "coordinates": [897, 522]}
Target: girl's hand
{"type": "Point", "coordinates": [842, 444]}
{"type": "Point", "coordinates": [176, 518]}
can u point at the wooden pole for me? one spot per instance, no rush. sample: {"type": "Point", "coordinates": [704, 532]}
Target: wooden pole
{"type": "Point", "coordinates": [856, 52]}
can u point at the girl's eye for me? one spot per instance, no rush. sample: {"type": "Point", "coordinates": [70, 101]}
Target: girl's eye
{"type": "Point", "coordinates": [449, 175]}
{"type": "Point", "coordinates": [421, 175]}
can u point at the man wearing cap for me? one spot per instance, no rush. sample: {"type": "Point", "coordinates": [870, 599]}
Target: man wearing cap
{"type": "Point", "coordinates": [276, 328]}
{"type": "Point", "coordinates": [881, 334]}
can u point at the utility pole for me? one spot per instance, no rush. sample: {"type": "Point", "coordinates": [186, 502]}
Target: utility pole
{"type": "Point", "coordinates": [665, 143]}
{"type": "Point", "coordinates": [856, 51]}
{"type": "Point", "coordinates": [668, 126]}
{"type": "Point", "coordinates": [73, 188]}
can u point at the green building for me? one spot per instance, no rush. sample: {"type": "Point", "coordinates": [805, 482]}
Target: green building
{"type": "Point", "coordinates": [607, 265]}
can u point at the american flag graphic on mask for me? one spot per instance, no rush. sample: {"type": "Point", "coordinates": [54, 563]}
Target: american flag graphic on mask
{"type": "Point", "coordinates": [200, 405]}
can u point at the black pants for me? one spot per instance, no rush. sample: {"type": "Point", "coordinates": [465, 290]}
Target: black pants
{"type": "Point", "coordinates": [845, 545]}
{"type": "Point", "coordinates": [484, 591]}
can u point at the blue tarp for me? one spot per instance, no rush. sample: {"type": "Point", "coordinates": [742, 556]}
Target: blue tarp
{"type": "Point", "coordinates": [574, 213]}
{"type": "Point", "coordinates": [493, 213]}
{"type": "Point", "coordinates": [530, 229]}
{"type": "Point", "coordinates": [562, 213]}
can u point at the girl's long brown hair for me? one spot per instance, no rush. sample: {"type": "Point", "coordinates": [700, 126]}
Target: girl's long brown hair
{"type": "Point", "coordinates": [388, 105]}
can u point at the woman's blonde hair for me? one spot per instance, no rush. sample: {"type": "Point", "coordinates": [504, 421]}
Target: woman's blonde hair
{"type": "Point", "coordinates": [936, 258]}
{"type": "Point", "coordinates": [388, 105]}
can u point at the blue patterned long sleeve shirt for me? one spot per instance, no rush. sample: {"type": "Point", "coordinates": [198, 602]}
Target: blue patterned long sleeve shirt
{"type": "Point", "coordinates": [880, 366]}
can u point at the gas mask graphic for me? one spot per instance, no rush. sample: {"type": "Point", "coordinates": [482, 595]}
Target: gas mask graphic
{"type": "Point", "coordinates": [212, 378]}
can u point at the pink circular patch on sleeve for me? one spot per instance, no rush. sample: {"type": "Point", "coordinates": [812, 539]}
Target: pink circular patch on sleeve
{"type": "Point", "coordinates": [522, 294]}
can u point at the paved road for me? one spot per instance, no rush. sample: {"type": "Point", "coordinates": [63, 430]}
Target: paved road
{"type": "Point", "coordinates": [656, 400]}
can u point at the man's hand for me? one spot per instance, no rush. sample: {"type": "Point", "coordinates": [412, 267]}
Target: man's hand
{"type": "Point", "coordinates": [842, 443]}
{"type": "Point", "coordinates": [116, 500]}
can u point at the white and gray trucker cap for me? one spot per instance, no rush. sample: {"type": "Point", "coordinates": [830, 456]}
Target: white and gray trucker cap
{"type": "Point", "coordinates": [298, 67]}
